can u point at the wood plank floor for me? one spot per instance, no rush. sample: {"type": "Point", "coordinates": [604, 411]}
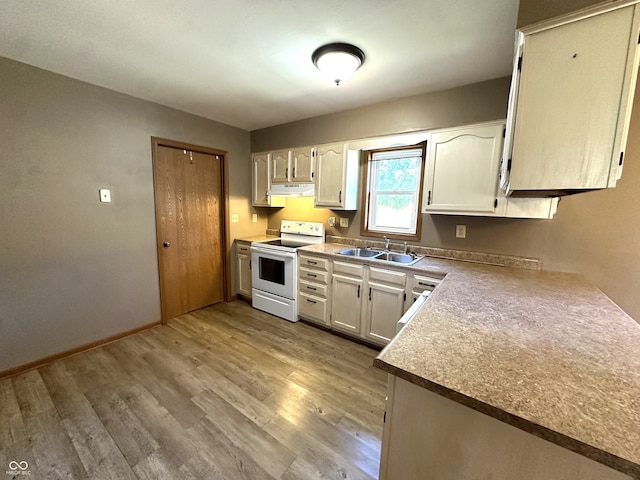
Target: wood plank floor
{"type": "Point", "coordinates": [226, 392]}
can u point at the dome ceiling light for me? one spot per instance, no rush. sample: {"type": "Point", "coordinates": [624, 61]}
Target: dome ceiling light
{"type": "Point", "coordinates": [338, 61]}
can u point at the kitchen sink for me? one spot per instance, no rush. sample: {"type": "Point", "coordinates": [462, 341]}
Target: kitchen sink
{"type": "Point", "coordinates": [399, 258]}
{"type": "Point", "coordinates": [391, 257]}
{"type": "Point", "coordinates": [360, 252]}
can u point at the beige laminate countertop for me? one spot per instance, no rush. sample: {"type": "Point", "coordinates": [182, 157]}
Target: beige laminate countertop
{"type": "Point", "coordinates": [256, 238]}
{"type": "Point", "coordinates": [546, 352]}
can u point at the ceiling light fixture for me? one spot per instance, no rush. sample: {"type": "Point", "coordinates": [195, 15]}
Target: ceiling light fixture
{"type": "Point", "coordinates": [338, 61]}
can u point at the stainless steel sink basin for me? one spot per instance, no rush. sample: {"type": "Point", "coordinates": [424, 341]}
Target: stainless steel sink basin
{"type": "Point", "coordinates": [399, 258]}
{"type": "Point", "coordinates": [392, 257]}
{"type": "Point", "coordinates": [360, 252]}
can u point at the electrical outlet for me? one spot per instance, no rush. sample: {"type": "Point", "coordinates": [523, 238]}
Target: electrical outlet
{"type": "Point", "coordinates": [235, 218]}
{"type": "Point", "coordinates": [254, 218]}
{"type": "Point", "coordinates": [344, 222]}
{"type": "Point", "coordinates": [105, 195]}
{"type": "Point", "coordinates": [331, 221]}
{"type": "Point", "coordinates": [461, 231]}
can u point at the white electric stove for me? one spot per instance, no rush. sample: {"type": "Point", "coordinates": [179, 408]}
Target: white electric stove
{"type": "Point", "coordinates": [274, 268]}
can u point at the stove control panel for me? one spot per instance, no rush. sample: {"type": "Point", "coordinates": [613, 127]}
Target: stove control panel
{"type": "Point", "coordinates": [314, 229]}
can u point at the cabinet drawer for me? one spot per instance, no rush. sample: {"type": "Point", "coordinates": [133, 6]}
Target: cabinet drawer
{"type": "Point", "coordinates": [352, 269]}
{"type": "Point", "coordinates": [387, 276]}
{"type": "Point", "coordinates": [313, 288]}
{"type": "Point", "coordinates": [314, 275]}
{"type": "Point", "coordinates": [244, 248]}
{"type": "Point", "coordinates": [313, 262]}
{"type": "Point", "coordinates": [313, 308]}
{"type": "Point", "coordinates": [421, 283]}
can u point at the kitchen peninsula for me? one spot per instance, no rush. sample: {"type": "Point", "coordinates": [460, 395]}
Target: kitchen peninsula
{"type": "Point", "coordinates": [544, 360]}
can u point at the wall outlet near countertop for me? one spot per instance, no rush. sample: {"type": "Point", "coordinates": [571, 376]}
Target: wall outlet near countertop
{"type": "Point", "coordinates": [344, 222]}
{"type": "Point", "coordinates": [254, 218]}
{"type": "Point", "coordinates": [461, 231]}
{"type": "Point", "coordinates": [235, 218]}
{"type": "Point", "coordinates": [331, 221]}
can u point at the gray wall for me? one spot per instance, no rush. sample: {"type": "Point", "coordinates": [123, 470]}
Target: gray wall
{"type": "Point", "coordinates": [72, 270]}
{"type": "Point", "coordinates": [595, 233]}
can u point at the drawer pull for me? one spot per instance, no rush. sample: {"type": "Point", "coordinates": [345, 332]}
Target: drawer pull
{"type": "Point", "coordinates": [311, 288]}
{"type": "Point", "coordinates": [369, 293]}
{"type": "Point", "coordinates": [358, 291]}
{"type": "Point", "coordinates": [312, 275]}
{"type": "Point", "coordinates": [311, 301]}
{"type": "Point", "coordinates": [311, 262]}
{"type": "Point", "coordinates": [427, 284]}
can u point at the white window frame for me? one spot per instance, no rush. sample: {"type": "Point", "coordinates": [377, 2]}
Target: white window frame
{"type": "Point", "coordinates": [372, 192]}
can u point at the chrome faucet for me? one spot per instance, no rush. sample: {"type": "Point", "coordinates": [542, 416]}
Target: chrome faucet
{"type": "Point", "coordinates": [405, 248]}
{"type": "Point", "coordinates": [386, 243]}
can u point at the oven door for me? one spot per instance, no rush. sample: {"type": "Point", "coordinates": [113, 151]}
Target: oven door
{"type": "Point", "coordinates": [274, 271]}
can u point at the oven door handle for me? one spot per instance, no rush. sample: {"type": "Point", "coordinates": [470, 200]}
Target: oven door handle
{"type": "Point", "coordinates": [273, 253]}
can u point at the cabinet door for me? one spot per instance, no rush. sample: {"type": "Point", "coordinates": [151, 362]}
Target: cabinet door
{"type": "Point", "coordinates": [385, 306]}
{"type": "Point", "coordinates": [346, 304]}
{"type": "Point", "coordinates": [244, 274]}
{"type": "Point", "coordinates": [280, 171]}
{"type": "Point", "coordinates": [330, 166]}
{"type": "Point", "coordinates": [573, 103]}
{"type": "Point", "coordinates": [260, 185]}
{"type": "Point", "coordinates": [302, 165]}
{"type": "Point", "coordinates": [462, 169]}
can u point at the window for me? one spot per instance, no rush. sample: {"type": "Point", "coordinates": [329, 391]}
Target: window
{"type": "Point", "coordinates": [392, 192]}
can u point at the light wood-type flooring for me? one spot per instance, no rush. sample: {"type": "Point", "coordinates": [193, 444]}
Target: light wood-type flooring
{"type": "Point", "coordinates": [225, 392]}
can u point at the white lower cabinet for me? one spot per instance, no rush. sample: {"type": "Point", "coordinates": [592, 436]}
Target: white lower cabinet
{"type": "Point", "coordinates": [385, 304]}
{"type": "Point", "coordinates": [356, 299]}
{"type": "Point", "coordinates": [367, 302]}
{"type": "Point", "coordinates": [417, 285]}
{"type": "Point", "coordinates": [243, 262]}
{"type": "Point", "coordinates": [347, 287]}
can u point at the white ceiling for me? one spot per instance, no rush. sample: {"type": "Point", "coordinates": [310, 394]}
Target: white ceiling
{"type": "Point", "coordinates": [247, 63]}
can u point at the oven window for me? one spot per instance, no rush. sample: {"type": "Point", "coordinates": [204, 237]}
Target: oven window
{"type": "Point", "coordinates": [272, 270]}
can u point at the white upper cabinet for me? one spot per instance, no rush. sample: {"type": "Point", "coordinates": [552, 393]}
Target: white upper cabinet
{"type": "Point", "coordinates": [462, 169]}
{"type": "Point", "coordinates": [462, 176]}
{"type": "Point", "coordinates": [261, 182]}
{"type": "Point", "coordinates": [302, 165]}
{"type": "Point", "coordinates": [336, 177]}
{"type": "Point", "coordinates": [570, 102]}
{"type": "Point", "coordinates": [260, 173]}
{"type": "Point", "coordinates": [281, 166]}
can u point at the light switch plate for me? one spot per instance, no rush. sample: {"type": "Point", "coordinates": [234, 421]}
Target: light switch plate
{"type": "Point", "coordinates": [461, 231]}
{"type": "Point", "coordinates": [254, 218]}
{"type": "Point", "coordinates": [105, 195]}
{"type": "Point", "coordinates": [344, 222]}
{"type": "Point", "coordinates": [235, 218]}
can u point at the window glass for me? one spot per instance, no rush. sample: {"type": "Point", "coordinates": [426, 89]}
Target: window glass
{"type": "Point", "coordinates": [393, 190]}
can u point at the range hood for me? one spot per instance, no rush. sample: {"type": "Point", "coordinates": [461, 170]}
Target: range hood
{"type": "Point", "coordinates": [292, 190]}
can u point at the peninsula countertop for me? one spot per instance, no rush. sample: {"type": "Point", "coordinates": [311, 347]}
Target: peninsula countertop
{"type": "Point", "coordinates": [546, 352]}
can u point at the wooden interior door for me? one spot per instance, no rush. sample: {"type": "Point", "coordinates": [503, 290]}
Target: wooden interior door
{"type": "Point", "coordinates": [190, 219]}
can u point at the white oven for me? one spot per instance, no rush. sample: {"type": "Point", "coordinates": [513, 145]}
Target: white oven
{"type": "Point", "coordinates": [274, 268]}
{"type": "Point", "coordinates": [274, 271]}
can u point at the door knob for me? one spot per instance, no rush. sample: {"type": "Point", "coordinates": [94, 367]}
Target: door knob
{"type": "Point", "coordinates": [166, 244]}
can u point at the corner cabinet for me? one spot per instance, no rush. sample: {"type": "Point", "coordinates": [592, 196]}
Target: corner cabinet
{"type": "Point", "coordinates": [261, 182]}
{"type": "Point", "coordinates": [570, 101]}
{"type": "Point", "coordinates": [337, 170]}
{"type": "Point", "coordinates": [462, 175]}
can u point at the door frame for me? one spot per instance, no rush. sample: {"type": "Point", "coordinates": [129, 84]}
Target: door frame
{"type": "Point", "coordinates": [226, 260]}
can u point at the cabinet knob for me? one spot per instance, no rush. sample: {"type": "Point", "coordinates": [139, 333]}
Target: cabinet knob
{"type": "Point", "coordinates": [166, 244]}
